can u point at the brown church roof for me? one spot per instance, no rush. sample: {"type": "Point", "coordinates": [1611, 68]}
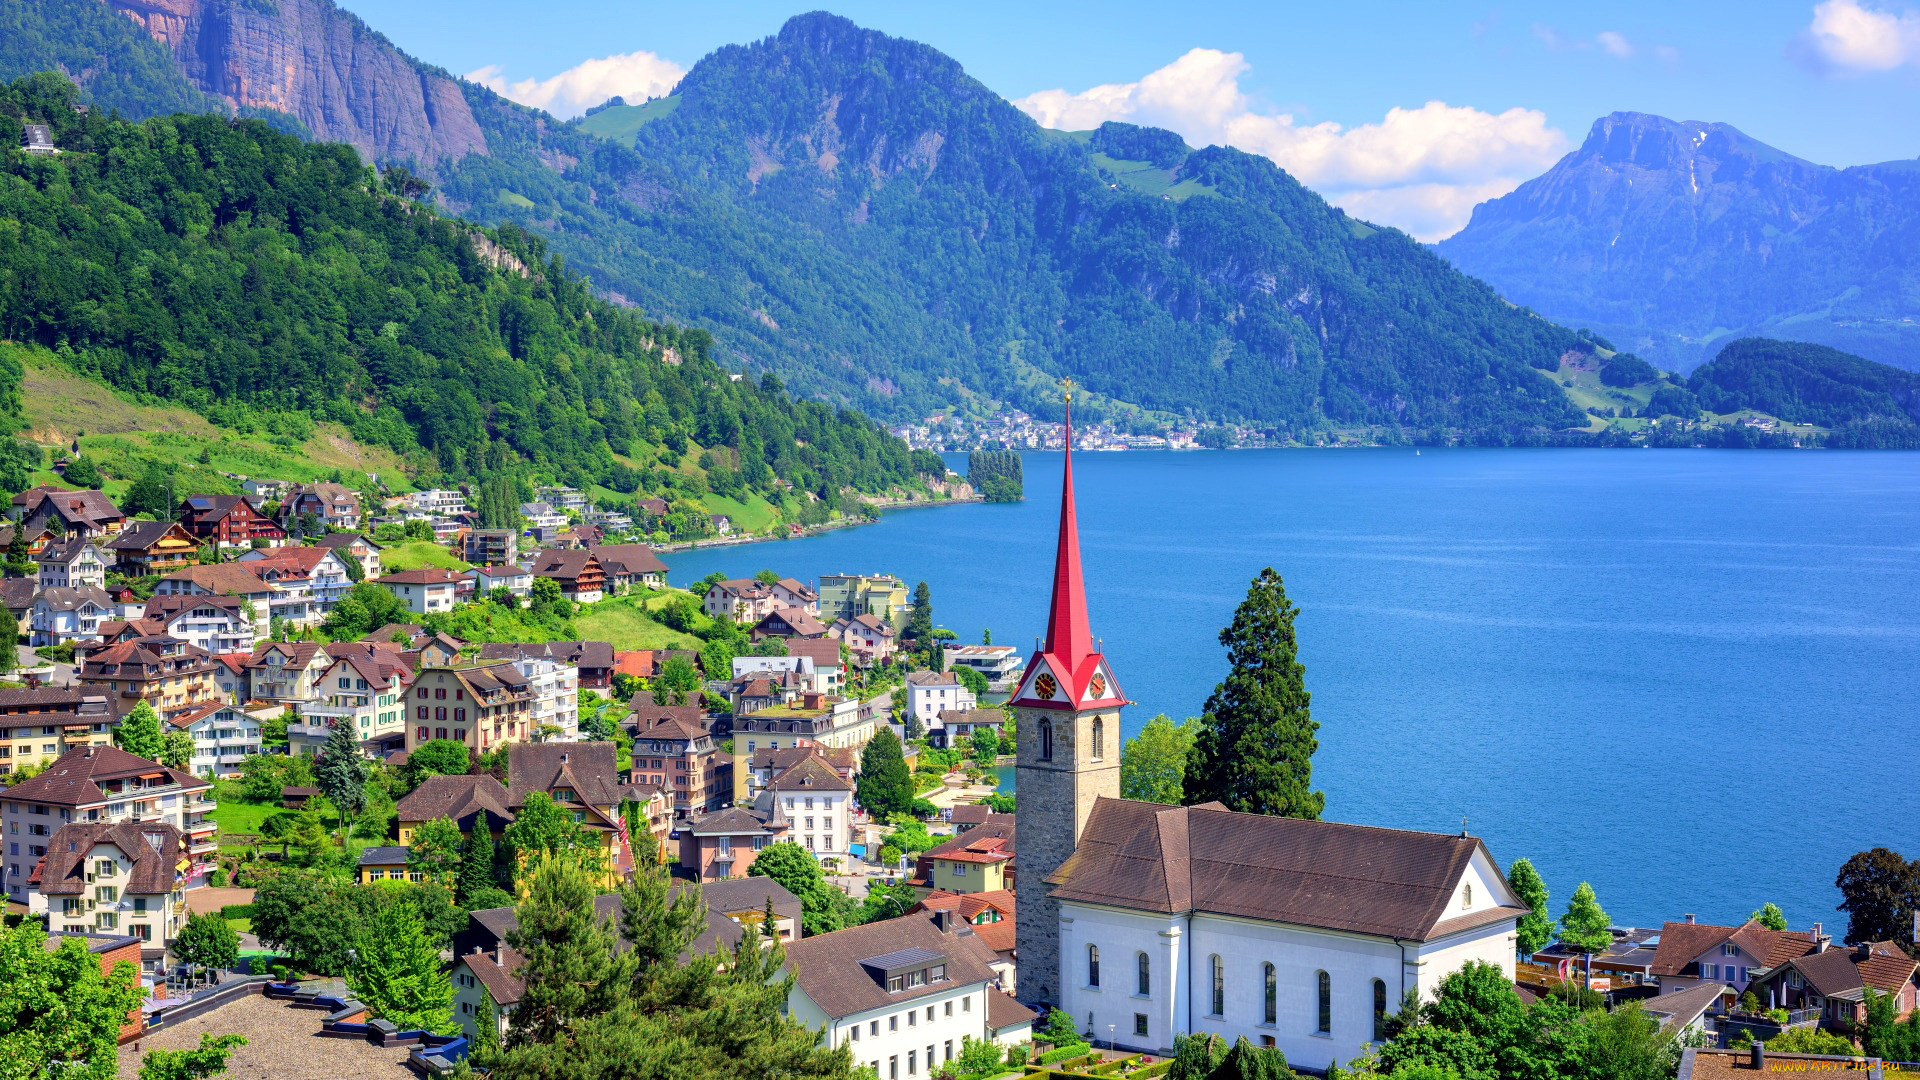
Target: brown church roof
{"type": "Point", "coordinates": [1382, 882]}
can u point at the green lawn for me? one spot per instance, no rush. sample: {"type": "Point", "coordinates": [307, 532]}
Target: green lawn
{"type": "Point", "coordinates": [623, 622]}
{"type": "Point", "coordinates": [415, 554]}
{"type": "Point", "coordinates": [121, 434]}
{"type": "Point", "coordinates": [754, 515]}
{"type": "Point", "coordinates": [234, 816]}
{"type": "Point", "coordinates": [622, 122]}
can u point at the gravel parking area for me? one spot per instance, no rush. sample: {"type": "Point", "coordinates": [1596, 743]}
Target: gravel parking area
{"type": "Point", "coordinates": [283, 1043]}
{"type": "Point", "coordinates": [204, 899]}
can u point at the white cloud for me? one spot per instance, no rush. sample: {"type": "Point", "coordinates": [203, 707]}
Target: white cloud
{"type": "Point", "coordinates": [1849, 38]}
{"type": "Point", "coordinates": [1420, 169]}
{"type": "Point", "coordinates": [1614, 43]}
{"type": "Point", "coordinates": [635, 76]}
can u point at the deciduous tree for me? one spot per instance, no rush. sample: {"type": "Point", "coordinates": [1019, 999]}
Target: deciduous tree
{"type": "Point", "coordinates": [436, 850]}
{"type": "Point", "coordinates": [1879, 891]}
{"type": "Point", "coordinates": [60, 1016]}
{"type": "Point", "coordinates": [1584, 925]}
{"type": "Point", "coordinates": [138, 733]}
{"type": "Point", "coordinates": [1770, 916]}
{"type": "Point", "coordinates": [396, 971]}
{"type": "Point", "coordinates": [176, 748]}
{"type": "Point", "coordinates": [823, 908]}
{"type": "Point", "coordinates": [1254, 751]}
{"type": "Point", "coordinates": [207, 1060]}
{"type": "Point", "coordinates": [1535, 931]}
{"type": "Point", "coordinates": [208, 941]}
{"type": "Point", "coordinates": [1153, 764]}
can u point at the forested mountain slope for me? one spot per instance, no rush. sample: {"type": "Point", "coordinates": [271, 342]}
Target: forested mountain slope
{"type": "Point", "coordinates": [854, 212]}
{"type": "Point", "coordinates": [1674, 237]}
{"type": "Point", "coordinates": [234, 268]}
{"type": "Point", "coordinates": [1006, 256]}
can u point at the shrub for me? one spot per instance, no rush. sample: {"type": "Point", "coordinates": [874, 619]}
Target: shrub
{"type": "Point", "coordinates": [1017, 1054]}
{"type": "Point", "coordinates": [237, 911]}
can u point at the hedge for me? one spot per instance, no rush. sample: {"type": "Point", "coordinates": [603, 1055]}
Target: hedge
{"type": "Point", "coordinates": [237, 911]}
{"type": "Point", "coordinates": [1071, 1054]}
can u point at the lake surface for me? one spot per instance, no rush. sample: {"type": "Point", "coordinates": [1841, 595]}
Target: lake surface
{"type": "Point", "coordinates": [1690, 677]}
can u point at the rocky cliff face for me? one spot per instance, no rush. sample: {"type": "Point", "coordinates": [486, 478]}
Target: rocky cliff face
{"type": "Point", "coordinates": [309, 59]}
{"type": "Point", "coordinates": [1672, 236]}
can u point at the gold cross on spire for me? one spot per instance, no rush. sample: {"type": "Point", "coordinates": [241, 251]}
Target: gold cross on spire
{"type": "Point", "coordinates": [1068, 384]}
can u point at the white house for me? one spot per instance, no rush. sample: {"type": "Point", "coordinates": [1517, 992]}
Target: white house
{"type": "Point", "coordinates": [818, 804]}
{"type": "Point", "coordinates": [222, 735]}
{"type": "Point", "coordinates": [424, 591]}
{"type": "Point", "coordinates": [218, 624]}
{"type": "Point", "coordinates": [930, 693]}
{"type": "Point", "coordinates": [73, 562]}
{"type": "Point", "coordinates": [902, 994]}
{"type": "Point", "coordinates": [1297, 934]}
{"type": "Point", "coordinates": [999, 664]}
{"type": "Point", "coordinates": [517, 580]}
{"type": "Point", "coordinates": [62, 615]}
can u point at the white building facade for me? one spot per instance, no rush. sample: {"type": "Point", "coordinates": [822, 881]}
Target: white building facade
{"type": "Point", "coordinates": [1250, 934]}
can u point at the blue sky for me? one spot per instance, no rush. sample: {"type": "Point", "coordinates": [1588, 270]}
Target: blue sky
{"type": "Point", "coordinates": [1316, 87]}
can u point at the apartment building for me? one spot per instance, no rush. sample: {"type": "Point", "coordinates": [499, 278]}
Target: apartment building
{"type": "Point", "coordinates": [480, 707]}
{"type": "Point", "coordinates": [165, 672]}
{"type": "Point", "coordinates": [72, 562]}
{"type": "Point", "coordinates": [424, 591]}
{"type": "Point", "coordinates": [365, 688]}
{"type": "Point", "coordinates": [38, 726]}
{"type": "Point", "coordinates": [118, 878]}
{"type": "Point", "coordinates": [223, 735]}
{"type": "Point", "coordinates": [846, 596]}
{"type": "Point", "coordinates": [103, 785]}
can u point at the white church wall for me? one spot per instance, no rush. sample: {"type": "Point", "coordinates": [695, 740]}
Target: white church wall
{"type": "Point", "coordinates": [1122, 936]}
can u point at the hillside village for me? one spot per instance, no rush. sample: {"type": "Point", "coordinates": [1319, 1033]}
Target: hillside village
{"type": "Point", "coordinates": [244, 748]}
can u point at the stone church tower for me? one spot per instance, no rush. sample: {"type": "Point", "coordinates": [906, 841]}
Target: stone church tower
{"type": "Point", "coordinates": [1067, 716]}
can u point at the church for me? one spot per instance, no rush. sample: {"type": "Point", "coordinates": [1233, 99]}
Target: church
{"type": "Point", "coordinates": [1145, 921]}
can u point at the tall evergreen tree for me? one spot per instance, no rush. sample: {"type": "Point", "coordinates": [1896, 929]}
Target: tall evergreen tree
{"type": "Point", "coordinates": [920, 623]}
{"type": "Point", "coordinates": [1535, 931]}
{"type": "Point", "coordinates": [138, 733]}
{"type": "Point", "coordinates": [570, 967]}
{"type": "Point", "coordinates": [884, 787]}
{"type": "Point", "coordinates": [1255, 749]}
{"type": "Point", "coordinates": [341, 772]}
{"type": "Point", "coordinates": [476, 862]}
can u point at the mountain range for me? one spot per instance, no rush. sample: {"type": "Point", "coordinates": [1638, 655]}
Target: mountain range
{"type": "Point", "coordinates": [1671, 238]}
{"type": "Point", "coordinates": [855, 213]}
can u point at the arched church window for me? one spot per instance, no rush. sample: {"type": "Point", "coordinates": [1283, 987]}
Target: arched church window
{"type": "Point", "coordinates": [1144, 986]}
{"type": "Point", "coordinates": [1326, 1003]}
{"type": "Point", "coordinates": [1093, 965]}
{"type": "Point", "coordinates": [1219, 986]}
{"type": "Point", "coordinates": [1046, 739]}
{"type": "Point", "coordinates": [1270, 1010]}
{"type": "Point", "coordinates": [1379, 1011]}
{"type": "Point", "coordinates": [1099, 738]}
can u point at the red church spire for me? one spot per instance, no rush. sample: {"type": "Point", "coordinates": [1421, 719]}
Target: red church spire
{"type": "Point", "coordinates": [1068, 637]}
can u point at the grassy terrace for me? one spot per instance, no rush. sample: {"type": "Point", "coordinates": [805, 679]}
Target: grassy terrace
{"type": "Point", "coordinates": [624, 622]}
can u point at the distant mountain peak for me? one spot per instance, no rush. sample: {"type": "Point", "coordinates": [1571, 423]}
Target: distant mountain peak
{"type": "Point", "coordinates": [1655, 142]}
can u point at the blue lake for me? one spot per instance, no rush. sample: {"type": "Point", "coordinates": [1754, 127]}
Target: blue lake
{"type": "Point", "coordinates": [1689, 677]}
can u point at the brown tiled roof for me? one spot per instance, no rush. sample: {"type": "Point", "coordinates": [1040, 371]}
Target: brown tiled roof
{"type": "Point", "coordinates": [823, 651]}
{"type": "Point", "coordinates": [16, 721]}
{"type": "Point", "coordinates": [74, 779]}
{"type": "Point", "coordinates": [65, 549]}
{"type": "Point", "coordinates": [1677, 1011]}
{"type": "Point", "coordinates": [456, 797]}
{"type": "Point", "coordinates": [87, 507]}
{"type": "Point", "coordinates": [185, 720]}
{"type": "Point", "coordinates": [969, 905]}
{"type": "Point", "coordinates": [60, 598]}
{"type": "Point", "coordinates": [1843, 971]}
{"type": "Point", "coordinates": [828, 968]}
{"type": "Point", "coordinates": [995, 827]}
{"type": "Point", "coordinates": [18, 592]}
{"type": "Point", "coordinates": [1682, 943]}
{"type": "Point", "coordinates": [1004, 1012]}
{"type": "Point", "coordinates": [154, 848]}
{"type": "Point", "coordinates": [169, 608]}
{"type": "Point", "coordinates": [810, 772]}
{"type": "Point", "coordinates": [501, 978]}
{"type": "Point", "coordinates": [969, 814]}
{"type": "Point", "coordinates": [973, 716]}
{"type": "Point", "coordinates": [565, 564]}
{"type": "Point", "coordinates": [933, 678]}
{"type": "Point", "coordinates": [221, 578]}
{"type": "Point", "coordinates": [299, 561]}
{"type": "Point", "coordinates": [666, 721]}
{"type": "Point", "coordinates": [587, 654]}
{"type": "Point", "coordinates": [589, 768]}
{"type": "Point", "coordinates": [803, 625]}
{"type": "Point", "coordinates": [488, 928]}
{"type": "Point", "coordinates": [344, 540]}
{"type": "Point", "coordinates": [732, 821]}
{"type": "Point", "coordinates": [140, 650]}
{"type": "Point", "coordinates": [629, 558]}
{"type": "Point", "coordinates": [1381, 882]}
{"type": "Point", "coordinates": [998, 936]}
{"type": "Point", "coordinates": [141, 535]}
{"type": "Point", "coordinates": [298, 653]}
{"type": "Point", "coordinates": [44, 697]}
{"type": "Point", "coordinates": [386, 632]}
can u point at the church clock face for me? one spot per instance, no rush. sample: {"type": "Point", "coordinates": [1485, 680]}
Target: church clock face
{"type": "Point", "coordinates": [1045, 687]}
{"type": "Point", "coordinates": [1098, 687]}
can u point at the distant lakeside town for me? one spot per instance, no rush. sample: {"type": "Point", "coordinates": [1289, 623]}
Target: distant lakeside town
{"type": "Point", "coordinates": [288, 770]}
